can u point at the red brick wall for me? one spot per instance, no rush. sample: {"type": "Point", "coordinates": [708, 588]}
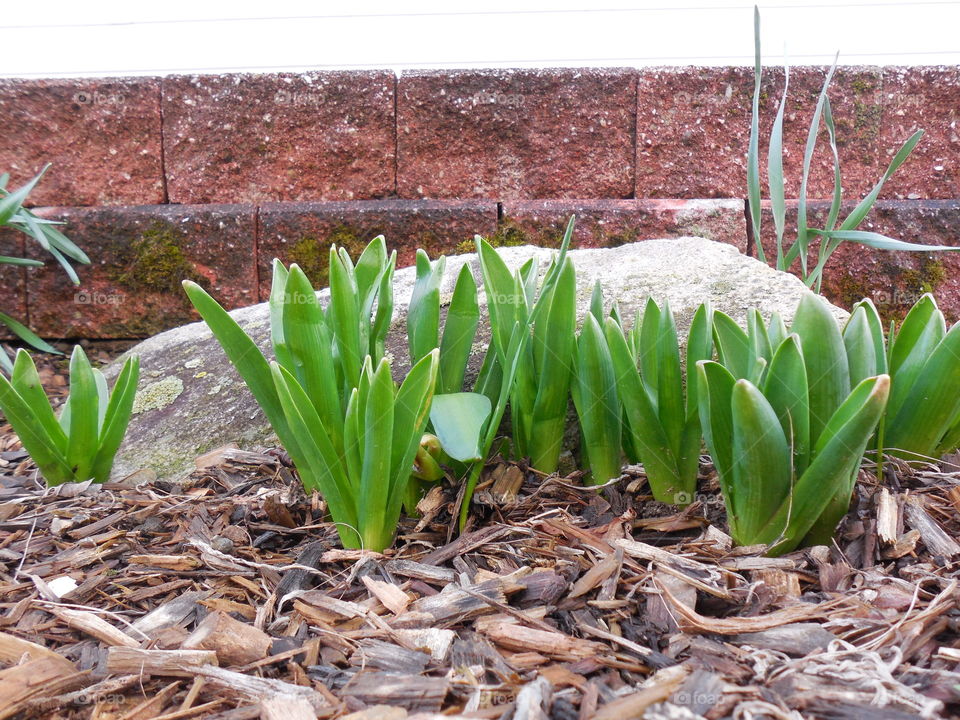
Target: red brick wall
{"type": "Point", "coordinates": [213, 176]}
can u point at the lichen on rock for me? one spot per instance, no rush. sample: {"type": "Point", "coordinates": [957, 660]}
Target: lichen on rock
{"type": "Point", "coordinates": [157, 395]}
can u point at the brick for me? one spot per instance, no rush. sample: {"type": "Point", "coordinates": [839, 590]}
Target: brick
{"type": "Point", "coordinates": [608, 223]}
{"type": "Point", "coordinates": [693, 127]}
{"type": "Point", "coordinates": [516, 134]}
{"type": "Point", "coordinates": [13, 288]}
{"type": "Point", "coordinates": [279, 137]}
{"type": "Point", "coordinates": [926, 98]}
{"type": "Point", "coordinates": [893, 280]}
{"type": "Point", "coordinates": [102, 137]}
{"type": "Point", "coordinates": [139, 255]}
{"type": "Point", "coordinates": [853, 96]}
{"type": "Point", "coordinates": [693, 130]}
{"type": "Point", "coordinates": [303, 232]}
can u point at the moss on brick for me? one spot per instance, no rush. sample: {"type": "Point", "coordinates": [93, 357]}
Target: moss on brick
{"type": "Point", "coordinates": [156, 262]}
{"type": "Point", "coordinates": [313, 255]}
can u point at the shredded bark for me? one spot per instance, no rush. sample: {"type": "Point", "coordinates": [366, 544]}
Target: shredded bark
{"type": "Point", "coordinates": [228, 596]}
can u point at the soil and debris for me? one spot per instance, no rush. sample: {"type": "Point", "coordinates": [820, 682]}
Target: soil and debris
{"type": "Point", "coordinates": [227, 596]}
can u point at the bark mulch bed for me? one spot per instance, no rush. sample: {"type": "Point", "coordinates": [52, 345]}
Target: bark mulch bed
{"type": "Point", "coordinates": [227, 596]}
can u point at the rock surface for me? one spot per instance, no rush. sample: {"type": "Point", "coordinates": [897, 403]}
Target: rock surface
{"type": "Point", "coordinates": [191, 400]}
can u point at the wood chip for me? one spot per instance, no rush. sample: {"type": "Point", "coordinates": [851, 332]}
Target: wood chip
{"type": "Point", "coordinates": [95, 626]}
{"type": "Point", "coordinates": [554, 644]}
{"type": "Point", "coordinates": [393, 598]}
{"type": "Point", "coordinates": [934, 537]}
{"type": "Point", "coordinates": [235, 643]}
{"type": "Point", "coordinates": [176, 663]}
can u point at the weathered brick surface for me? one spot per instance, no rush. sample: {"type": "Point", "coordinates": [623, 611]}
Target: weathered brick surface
{"type": "Point", "coordinates": [693, 130]}
{"type": "Point", "coordinates": [608, 223]}
{"type": "Point", "coordinates": [139, 256]}
{"type": "Point", "coordinates": [13, 288]}
{"type": "Point", "coordinates": [303, 232]}
{"type": "Point", "coordinates": [513, 134]}
{"type": "Point", "coordinates": [101, 135]}
{"type": "Point", "coordinates": [857, 115]}
{"type": "Point", "coordinates": [893, 280]}
{"type": "Point", "coordinates": [281, 137]}
{"type": "Point", "coordinates": [926, 98]}
{"type": "Point", "coordinates": [692, 136]}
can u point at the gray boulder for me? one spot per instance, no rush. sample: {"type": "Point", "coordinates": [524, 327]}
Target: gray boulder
{"type": "Point", "coordinates": [191, 400]}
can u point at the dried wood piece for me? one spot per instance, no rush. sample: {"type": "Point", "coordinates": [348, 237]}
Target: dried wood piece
{"type": "Point", "coordinates": [169, 614]}
{"type": "Point", "coordinates": [659, 611]}
{"type": "Point", "coordinates": [452, 604]}
{"type": "Point", "coordinates": [393, 598]}
{"type": "Point", "coordinates": [541, 588]}
{"type": "Point", "coordinates": [14, 649]}
{"type": "Point", "coordinates": [507, 481]}
{"type": "Point", "coordinates": [783, 583]}
{"type": "Point", "coordinates": [419, 571]}
{"type": "Point", "coordinates": [796, 639]}
{"type": "Point", "coordinates": [594, 576]}
{"type": "Point", "coordinates": [386, 656]}
{"type": "Point", "coordinates": [151, 706]}
{"type": "Point", "coordinates": [234, 642]}
{"type": "Point", "coordinates": [45, 675]}
{"type": "Point", "coordinates": [905, 545]}
{"type": "Point", "coordinates": [378, 712]}
{"type": "Point", "coordinates": [934, 537]}
{"type": "Point", "coordinates": [718, 538]}
{"type": "Point", "coordinates": [533, 700]}
{"type": "Point", "coordinates": [888, 516]}
{"type": "Point", "coordinates": [286, 707]}
{"type": "Point", "coordinates": [699, 693]}
{"type": "Point", "coordinates": [95, 626]}
{"type": "Point", "coordinates": [178, 563]}
{"type": "Point", "coordinates": [177, 663]}
{"type": "Point", "coordinates": [212, 458]}
{"type": "Point", "coordinates": [299, 578]}
{"type": "Point", "coordinates": [650, 657]}
{"type": "Point", "coordinates": [150, 591]}
{"type": "Point", "coordinates": [413, 692]}
{"type": "Point", "coordinates": [655, 690]}
{"type": "Point", "coordinates": [318, 604]}
{"type": "Point", "coordinates": [435, 641]}
{"type": "Point", "coordinates": [255, 689]}
{"type": "Point", "coordinates": [693, 621]}
{"type": "Point", "coordinates": [95, 527]}
{"type": "Point", "coordinates": [468, 542]}
{"type": "Point", "coordinates": [191, 711]}
{"type": "Point", "coordinates": [643, 551]}
{"type": "Point", "coordinates": [554, 644]}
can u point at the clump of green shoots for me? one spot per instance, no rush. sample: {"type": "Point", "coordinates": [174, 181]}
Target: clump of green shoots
{"type": "Point", "coordinates": [834, 232]}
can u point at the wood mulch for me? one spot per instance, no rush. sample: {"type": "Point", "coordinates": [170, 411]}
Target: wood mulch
{"type": "Point", "coordinates": [227, 596]}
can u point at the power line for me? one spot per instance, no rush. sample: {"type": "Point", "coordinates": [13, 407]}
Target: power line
{"type": "Point", "coordinates": [474, 13]}
{"type": "Point", "coordinates": [453, 64]}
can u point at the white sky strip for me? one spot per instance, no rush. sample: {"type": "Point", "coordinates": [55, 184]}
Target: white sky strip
{"type": "Point", "coordinates": [121, 38]}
